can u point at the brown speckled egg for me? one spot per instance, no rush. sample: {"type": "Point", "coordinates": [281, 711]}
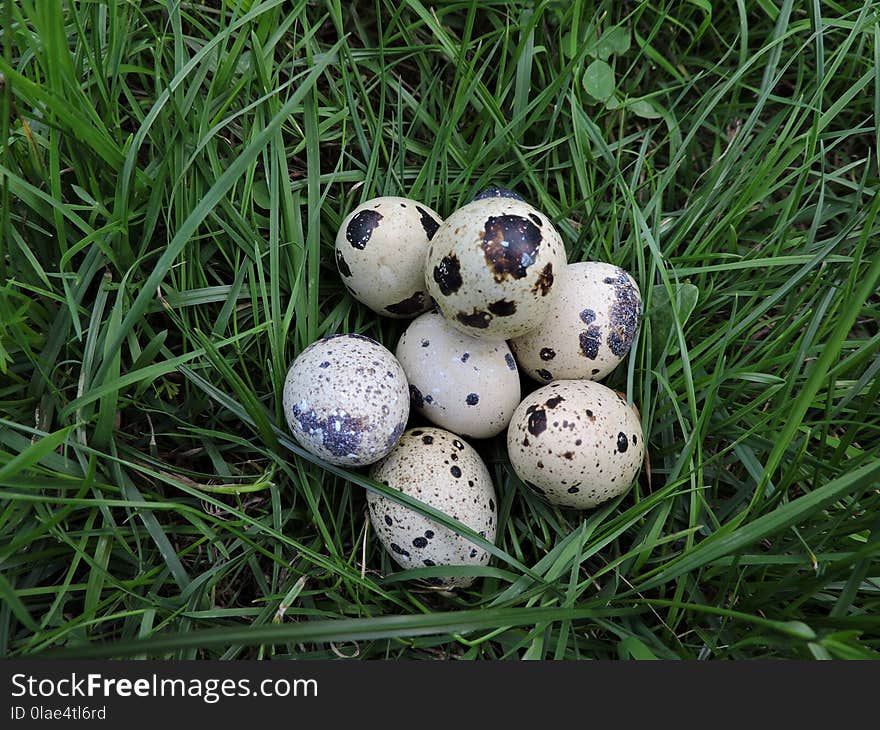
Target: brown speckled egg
{"type": "Point", "coordinates": [492, 267]}
{"type": "Point", "coordinates": [590, 328]}
{"type": "Point", "coordinates": [438, 468]}
{"type": "Point", "coordinates": [467, 385]}
{"type": "Point", "coordinates": [346, 400]}
{"type": "Point", "coordinates": [576, 442]}
{"type": "Point", "coordinates": [380, 254]}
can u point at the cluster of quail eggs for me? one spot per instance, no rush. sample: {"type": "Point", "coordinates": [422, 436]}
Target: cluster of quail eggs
{"type": "Point", "coordinates": [492, 295]}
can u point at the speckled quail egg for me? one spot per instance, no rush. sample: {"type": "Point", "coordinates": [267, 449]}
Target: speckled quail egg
{"type": "Point", "coordinates": [492, 265]}
{"type": "Point", "coordinates": [467, 385]}
{"type": "Point", "coordinates": [380, 253]}
{"type": "Point", "coordinates": [590, 328]}
{"type": "Point", "coordinates": [438, 468]}
{"type": "Point", "coordinates": [576, 442]}
{"type": "Point", "coordinates": [496, 191]}
{"type": "Point", "coordinates": [346, 399]}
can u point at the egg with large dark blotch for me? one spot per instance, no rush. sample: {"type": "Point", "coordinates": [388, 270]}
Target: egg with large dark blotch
{"type": "Point", "coordinates": [492, 267]}
{"type": "Point", "coordinates": [380, 254]}
{"type": "Point", "coordinates": [590, 328]}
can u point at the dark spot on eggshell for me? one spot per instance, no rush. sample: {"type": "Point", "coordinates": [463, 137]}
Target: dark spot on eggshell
{"type": "Point", "coordinates": [399, 550]}
{"type": "Point", "coordinates": [622, 443]}
{"type": "Point", "coordinates": [554, 401]}
{"type": "Point", "coordinates": [472, 399]}
{"type": "Point", "coordinates": [324, 365]}
{"type": "Point", "coordinates": [465, 356]}
{"type": "Point", "coordinates": [429, 398]}
{"type": "Point", "coordinates": [447, 274]}
{"type": "Point", "coordinates": [342, 264]}
{"type": "Point", "coordinates": [624, 314]}
{"type": "Point", "coordinates": [415, 397]}
{"type": "Point", "coordinates": [420, 542]}
{"type": "Point", "coordinates": [568, 455]}
{"type": "Point", "coordinates": [429, 224]}
{"type": "Point", "coordinates": [544, 374]}
{"type": "Point", "coordinates": [426, 343]}
{"type": "Point", "coordinates": [476, 319]}
{"type": "Point", "coordinates": [547, 354]}
{"type": "Point", "coordinates": [455, 471]}
{"type": "Point", "coordinates": [588, 316]}
{"type": "Point", "coordinates": [510, 245]}
{"type": "Point", "coordinates": [544, 282]}
{"type": "Point", "coordinates": [429, 563]}
{"type": "Point", "coordinates": [497, 191]}
{"type": "Point", "coordinates": [395, 435]}
{"type": "Point", "coordinates": [427, 439]}
{"type": "Point", "coordinates": [511, 363]}
{"type": "Point", "coordinates": [503, 308]}
{"type": "Point", "coordinates": [590, 339]}
{"type": "Point", "coordinates": [388, 520]}
{"type": "Point", "coordinates": [537, 422]}
{"type": "Point", "coordinates": [458, 444]}
{"type": "Point", "coordinates": [341, 435]}
{"type": "Point", "coordinates": [409, 306]}
{"type": "Point", "coordinates": [429, 534]}
{"type": "Point", "coordinates": [361, 227]}
{"type": "Point", "coordinates": [491, 504]}
{"type": "Point", "coordinates": [573, 490]}
{"type": "Point", "coordinates": [635, 440]}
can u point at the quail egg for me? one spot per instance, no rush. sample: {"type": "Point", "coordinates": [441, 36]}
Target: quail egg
{"type": "Point", "coordinates": [576, 442]}
{"type": "Point", "coordinates": [346, 400]}
{"type": "Point", "coordinates": [492, 265]}
{"type": "Point", "coordinates": [496, 191]}
{"type": "Point", "coordinates": [443, 471]}
{"type": "Point", "coordinates": [380, 253]}
{"type": "Point", "coordinates": [467, 385]}
{"type": "Point", "coordinates": [590, 328]}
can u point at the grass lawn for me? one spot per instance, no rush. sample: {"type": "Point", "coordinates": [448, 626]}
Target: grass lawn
{"type": "Point", "coordinates": [172, 176]}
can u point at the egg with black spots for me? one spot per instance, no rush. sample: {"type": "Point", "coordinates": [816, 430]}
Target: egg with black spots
{"type": "Point", "coordinates": [346, 400]}
{"type": "Point", "coordinates": [496, 191]}
{"type": "Point", "coordinates": [492, 267]}
{"type": "Point", "coordinates": [461, 383]}
{"type": "Point", "coordinates": [590, 328]}
{"type": "Point", "coordinates": [380, 254]}
{"type": "Point", "coordinates": [576, 442]}
{"type": "Point", "coordinates": [444, 471]}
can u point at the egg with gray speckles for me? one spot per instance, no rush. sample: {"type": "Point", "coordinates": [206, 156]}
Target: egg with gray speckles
{"type": "Point", "coordinates": [380, 254]}
{"type": "Point", "coordinates": [492, 265]}
{"type": "Point", "coordinates": [461, 383]}
{"type": "Point", "coordinates": [590, 328]}
{"type": "Point", "coordinates": [576, 442]}
{"type": "Point", "coordinates": [445, 472]}
{"type": "Point", "coordinates": [346, 400]}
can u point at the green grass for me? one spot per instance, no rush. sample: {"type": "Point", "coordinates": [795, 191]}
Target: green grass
{"type": "Point", "coordinates": [171, 180]}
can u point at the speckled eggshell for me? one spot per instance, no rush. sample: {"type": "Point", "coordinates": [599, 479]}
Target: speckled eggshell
{"type": "Point", "coordinates": [590, 328]}
{"type": "Point", "coordinates": [496, 191]}
{"type": "Point", "coordinates": [576, 442]}
{"type": "Point", "coordinates": [464, 384]}
{"type": "Point", "coordinates": [492, 267]}
{"type": "Point", "coordinates": [440, 469]}
{"type": "Point", "coordinates": [346, 400]}
{"type": "Point", "coordinates": [380, 254]}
